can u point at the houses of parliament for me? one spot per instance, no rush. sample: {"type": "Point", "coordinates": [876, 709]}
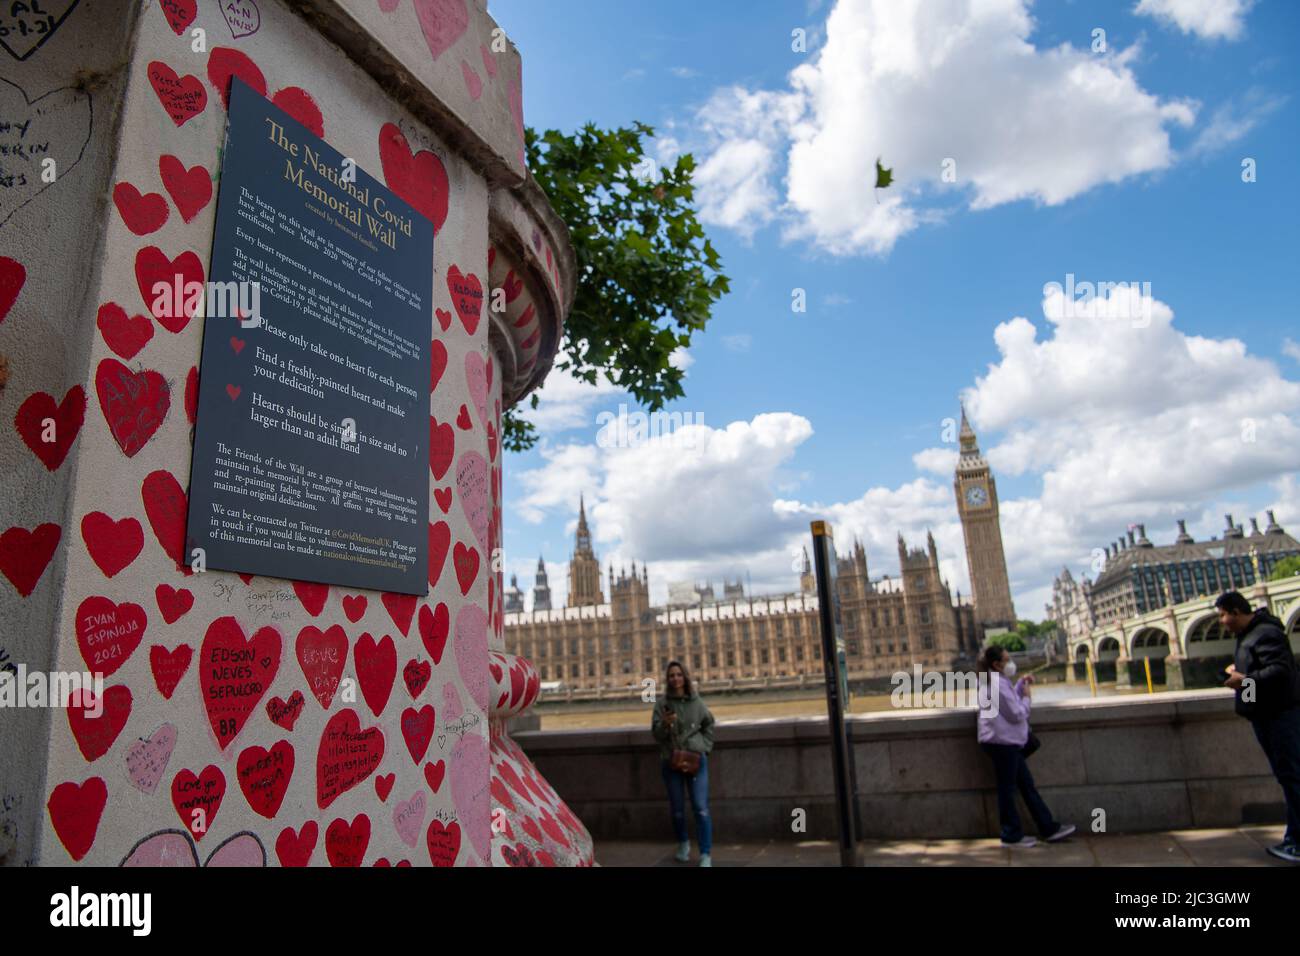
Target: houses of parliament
{"type": "Point", "coordinates": [889, 624]}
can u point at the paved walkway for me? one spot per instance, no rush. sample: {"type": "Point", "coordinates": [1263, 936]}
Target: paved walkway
{"type": "Point", "coordinates": [1243, 846]}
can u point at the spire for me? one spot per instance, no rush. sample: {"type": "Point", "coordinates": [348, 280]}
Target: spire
{"type": "Point", "coordinates": [1273, 526]}
{"type": "Point", "coordinates": [1183, 536]}
{"type": "Point", "coordinates": [969, 445]}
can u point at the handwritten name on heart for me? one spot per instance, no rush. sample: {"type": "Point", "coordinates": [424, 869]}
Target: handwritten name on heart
{"type": "Point", "coordinates": [322, 656]}
{"type": "Point", "coordinates": [147, 758]}
{"type": "Point", "coordinates": [346, 756]}
{"type": "Point", "coordinates": [182, 97]}
{"type": "Point", "coordinates": [235, 673]}
{"type": "Point", "coordinates": [134, 404]}
{"type": "Point", "coordinates": [55, 127]}
{"type": "Point", "coordinates": [108, 633]}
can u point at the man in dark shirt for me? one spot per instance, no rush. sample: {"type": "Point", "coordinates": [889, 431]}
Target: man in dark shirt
{"type": "Point", "coordinates": [1266, 681]}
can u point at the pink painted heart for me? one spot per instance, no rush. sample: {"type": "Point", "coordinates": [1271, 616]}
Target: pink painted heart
{"type": "Point", "coordinates": [147, 758]}
{"type": "Point", "coordinates": [442, 22]}
{"type": "Point", "coordinates": [472, 485]}
{"type": "Point", "coordinates": [471, 648]}
{"type": "Point", "coordinates": [408, 818]}
{"type": "Point", "coordinates": [470, 767]}
{"type": "Point", "coordinates": [477, 380]}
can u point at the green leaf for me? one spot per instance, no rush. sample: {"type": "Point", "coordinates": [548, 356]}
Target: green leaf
{"type": "Point", "coordinates": [884, 177]}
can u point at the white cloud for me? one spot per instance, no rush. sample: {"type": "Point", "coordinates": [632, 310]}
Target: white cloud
{"type": "Point", "coordinates": [1019, 121]}
{"type": "Point", "coordinates": [1111, 422]}
{"type": "Point", "coordinates": [684, 72]}
{"type": "Point", "coordinates": [565, 402]}
{"type": "Point", "coordinates": [737, 343]}
{"type": "Point", "coordinates": [1291, 349]}
{"type": "Point", "coordinates": [1234, 120]}
{"type": "Point", "coordinates": [1208, 19]}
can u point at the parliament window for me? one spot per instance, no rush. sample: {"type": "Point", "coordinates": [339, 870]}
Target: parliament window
{"type": "Point", "coordinates": [695, 661]}
{"type": "Point", "coordinates": [764, 657]}
{"type": "Point", "coordinates": [780, 654]}
{"type": "Point", "coordinates": [573, 670]}
{"type": "Point", "coordinates": [606, 668]}
{"type": "Point", "coordinates": [794, 627]}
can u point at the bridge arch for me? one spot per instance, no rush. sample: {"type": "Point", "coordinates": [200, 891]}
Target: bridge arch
{"type": "Point", "coordinates": [1149, 642]}
{"type": "Point", "coordinates": [1108, 652]}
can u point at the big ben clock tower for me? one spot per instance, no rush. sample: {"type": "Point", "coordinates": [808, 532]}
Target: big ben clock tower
{"type": "Point", "coordinates": [977, 505]}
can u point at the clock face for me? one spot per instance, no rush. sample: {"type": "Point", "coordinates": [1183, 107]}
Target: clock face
{"type": "Point", "coordinates": [977, 496]}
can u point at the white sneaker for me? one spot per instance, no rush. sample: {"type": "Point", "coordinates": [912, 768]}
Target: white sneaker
{"type": "Point", "coordinates": [683, 854]}
{"type": "Point", "coordinates": [706, 859]}
{"type": "Point", "coordinates": [1062, 832]}
{"type": "Point", "coordinates": [1023, 844]}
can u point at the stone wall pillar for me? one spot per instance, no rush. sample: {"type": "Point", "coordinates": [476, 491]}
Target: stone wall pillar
{"type": "Point", "coordinates": [129, 100]}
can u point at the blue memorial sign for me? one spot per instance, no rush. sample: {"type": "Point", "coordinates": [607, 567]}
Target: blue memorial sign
{"type": "Point", "coordinates": [311, 441]}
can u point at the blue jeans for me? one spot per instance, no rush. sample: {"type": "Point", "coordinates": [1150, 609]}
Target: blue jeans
{"type": "Point", "coordinates": [1280, 738]}
{"type": "Point", "coordinates": [1013, 774]}
{"type": "Point", "coordinates": [698, 786]}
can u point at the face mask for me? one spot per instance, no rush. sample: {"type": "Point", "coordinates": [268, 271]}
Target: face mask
{"type": "Point", "coordinates": [1010, 670]}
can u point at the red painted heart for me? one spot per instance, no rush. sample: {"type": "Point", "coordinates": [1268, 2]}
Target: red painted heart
{"type": "Point", "coordinates": [419, 178]}
{"type": "Point", "coordinates": [183, 97]}
{"type": "Point", "coordinates": [346, 843]}
{"type": "Point", "coordinates": [264, 776]}
{"type": "Point", "coordinates": [190, 189]}
{"type": "Point", "coordinates": [346, 756]}
{"type": "Point", "coordinates": [134, 403]}
{"type": "Point", "coordinates": [354, 606]}
{"type": "Point", "coordinates": [174, 603]}
{"type": "Point", "coordinates": [75, 810]}
{"type": "Point", "coordinates": [294, 848]}
{"type": "Point", "coordinates": [417, 730]}
{"type": "Point", "coordinates": [25, 554]}
{"type": "Point", "coordinates": [439, 543]}
{"type": "Point", "coordinates": [95, 734]}
{"type": "Point", "coordinates": [192, 394]}
{"type": "Point", "coordinates": [235, 673]}
{"type": "Point", "coordinates": [462, 420]}
{"type": "Point", "coordinates": [198, 798]}
{"type": "Point", "coordinates": [125, 335]}
{"type": "Point", "coordinates": [466, 561]}
{"type": "Point", "coordinates": [169, 666]}
{"type": "Point", "coordinates": [401, 608]}
{"type": "Point", "coordinates": [376, 670]}
{"type": "Point", "coordinates": [225, 62]}
{"type": "Point", "coordinates": [312, 596]}
{"type": "Point", "coordinates": [285, 713]}
{"type": "Point", "coordinates": [434, 774]}
{"type": "Point", "coordinates": [442, 447]}
{"type": "Point", "coordinates": [443, 843]}
{"type": "Point", "coordinates": [12, 277]}
{"type": "Point", "coordinates": [298, 103]}
{"type": "Point", "coordinates": [437, 362]}
{"type": "Point", "coordinates": [416, 675]}
{"type": "Point", "coordinates": [384, 785]}
{"type": "Point", "coordinates": [322, 655]}
{"type": "Point", "coordinates": [443, 497]}
{"type": "Point", "coordinates": [179, 13]}
{"type": "Point", "coordinates": [435, 625]}
{"type": "Point", "coordinates": [444, 318]}
{"type": "Point", "coordinates": [171, 288]}
{"type": "Point", "coordinates": [40, 418]}
{"type": "Point", "coordinates": [466, 297]}
{"type": "Point", "coordinates": [165, 505]}
{"type": "Point", "coordinates": [112, 545]}
{"type": "Point", "coordinates": [108, 633]}
{"type": "Point", "coordinates": [142, 214]}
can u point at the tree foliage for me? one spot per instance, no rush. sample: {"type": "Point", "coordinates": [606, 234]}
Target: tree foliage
{"type": "Point", "coordinates": [1286, 568]}
{"type": "Point", "coordinates": [647, 274]}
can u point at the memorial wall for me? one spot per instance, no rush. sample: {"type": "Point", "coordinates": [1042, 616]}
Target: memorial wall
{"type": "Point", "coordinates": [269, 274]}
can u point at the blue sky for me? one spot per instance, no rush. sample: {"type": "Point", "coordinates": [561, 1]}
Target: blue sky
{"type": "Point", "coordinates": [1115, 164]}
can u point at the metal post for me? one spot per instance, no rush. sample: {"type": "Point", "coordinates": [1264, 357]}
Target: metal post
{"type": "Point", "coordinates": [833, 657]}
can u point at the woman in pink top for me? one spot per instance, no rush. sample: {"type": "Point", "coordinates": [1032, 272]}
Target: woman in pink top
{"type": "Point", "coordinates": [1003, 737]}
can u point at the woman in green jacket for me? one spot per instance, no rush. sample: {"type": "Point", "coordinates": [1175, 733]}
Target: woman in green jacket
{"type": "Point", "coordinates": [682, 722]}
